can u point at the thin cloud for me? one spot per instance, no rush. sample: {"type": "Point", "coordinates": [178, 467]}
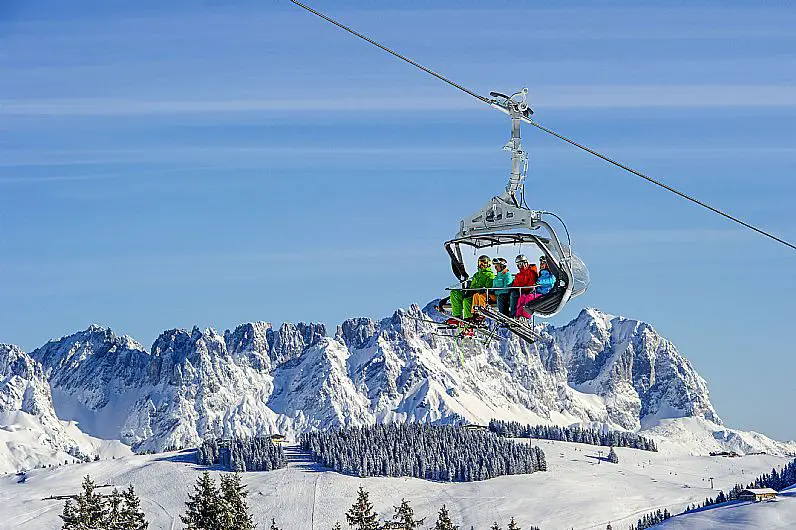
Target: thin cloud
{"type": "Point", "coordinates": [99, 176]}
{"type": "Point", "coordinates": [258, 157]}
{"type": "Point", "coordinates": [568, 97]}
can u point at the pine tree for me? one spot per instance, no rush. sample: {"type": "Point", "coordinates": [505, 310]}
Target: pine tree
{"type": "Point", "coordinates": [114, 518]}
{"type": "Point", "coordinates": [337, 526]}
{"type": "Point", "coordinates": [361, 515]}
{"type": "Point", "coordinates": [404, 518]}
{"type": "Point", "coordinates": [203, 509]}
{"type": "Point", "coordinates": [613, 457]}
{"type": "Point", "coordinates": [91, 508]}
{"type": "Point", "coordinates": [235, 509]}
{"type": "Point", "coordinates": [444, 521]}
{"type": "Point", "coordinates": [70, 516]}
{"type": "Point", "coordinates": [131, 516]}
{"type": "Point", "coordinates": [513, 525]}
{"type": "Point", "coordinates": [495, 526]}
{"type": "Point", "coordinates": [274, 527]}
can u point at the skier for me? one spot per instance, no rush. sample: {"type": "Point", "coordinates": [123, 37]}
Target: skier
{"type": "Point", "coordinates": [526, 277]}
{"type": "Point", "coordinates": [544, 284]}
{"type": "Point", "coordinates": [546, 279]}
{"type": "Point", "coordinates": [463, 300]}
{"type": "Point", "coordinates": [503, 278]}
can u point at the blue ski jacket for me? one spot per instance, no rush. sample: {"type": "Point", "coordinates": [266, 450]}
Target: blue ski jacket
{"type": "Point", "coordinates": [502, 279]}
{"type": "Point", "coordinates": [545, 282]}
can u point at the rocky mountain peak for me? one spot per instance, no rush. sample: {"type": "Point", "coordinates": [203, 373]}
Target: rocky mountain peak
{"type": "Point", "coordinates": [257, 378]}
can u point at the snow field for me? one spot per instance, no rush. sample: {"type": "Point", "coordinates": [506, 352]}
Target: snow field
{"type": "Point", "coordinates": [741, 515]}
{"type": "Point", "coordinates": [579, 491]}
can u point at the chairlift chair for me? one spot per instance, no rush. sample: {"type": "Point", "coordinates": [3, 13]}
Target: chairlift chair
{"type": "Point", "coordinates": [507, 220]}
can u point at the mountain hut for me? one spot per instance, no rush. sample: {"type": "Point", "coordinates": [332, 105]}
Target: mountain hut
{"type": "Point", "coordinates": [758, 494]}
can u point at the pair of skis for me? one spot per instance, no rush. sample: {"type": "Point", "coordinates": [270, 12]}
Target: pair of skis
{"type": "Point", "coordinates": [461, 326]}
{"type": "Point", "coordinates": [523, 329]}
{"type": "Point", "coordinates": [517, 326]}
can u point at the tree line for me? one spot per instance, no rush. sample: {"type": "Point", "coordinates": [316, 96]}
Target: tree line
{"type": "Point", "coordinates": [445, 453]}
{"type": "Point", "coordinates": [776, 480]}
{"type": "Point", "coordinates": [651, 519]}
{"type": "Point", "coordinates": [239, 454]}
{"type": "Point", "coordinates": [514, 429]}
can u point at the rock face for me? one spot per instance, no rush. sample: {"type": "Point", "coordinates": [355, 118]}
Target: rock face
{"type": "Point", "coordinates": [23, 387]}
{"type": "Point", "coordinates": [597, 370]}
{"type": "Point", "coordinates": [638, 373]}
{"type": "Point", "coordinates": [30, 431]}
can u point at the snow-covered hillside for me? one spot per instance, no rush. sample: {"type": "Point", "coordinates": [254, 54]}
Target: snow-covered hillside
{"type": "Point", "coordinates": [741, 515]}
{"type": "Point", "coordinates": [578, 490]}
{"type": "Point", "coordinates": [597, 370]}
{"type": "Point", "coordinates": [30, 432]}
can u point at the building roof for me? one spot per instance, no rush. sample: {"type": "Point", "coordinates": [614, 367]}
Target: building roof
{"type": "Point", "coordinates": [760, 491]}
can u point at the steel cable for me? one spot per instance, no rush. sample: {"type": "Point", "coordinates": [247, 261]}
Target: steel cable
{"type": "Point", "coordinates": [551, 132]}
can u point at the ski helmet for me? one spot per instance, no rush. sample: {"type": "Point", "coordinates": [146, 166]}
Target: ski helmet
{"type": "Point", "coordinates": [521, 258]}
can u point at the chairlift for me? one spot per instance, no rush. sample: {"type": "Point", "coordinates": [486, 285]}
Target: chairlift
{"type": "Point", "coordinates": [506, 220]}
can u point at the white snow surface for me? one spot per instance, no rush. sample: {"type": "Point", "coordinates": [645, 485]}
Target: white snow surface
{"type": "Point", "coordinates": [576, 492]}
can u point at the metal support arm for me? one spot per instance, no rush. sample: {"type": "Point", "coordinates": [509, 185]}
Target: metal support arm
{"type": "Point", "coordinates": [505, 211]}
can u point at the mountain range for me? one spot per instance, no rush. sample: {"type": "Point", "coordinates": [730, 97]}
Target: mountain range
{"type": "Point", "coordinates": [598, 370]}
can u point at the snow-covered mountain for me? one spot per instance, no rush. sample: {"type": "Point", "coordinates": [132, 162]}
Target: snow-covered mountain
{"type": "Point", "coordinates": [30, 432]}
{"type": "Point", "coordinates": [596, 370]}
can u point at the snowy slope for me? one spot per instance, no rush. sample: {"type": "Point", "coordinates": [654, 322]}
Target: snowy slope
{"type": "Point", "coordinates": [577, 491]}
{"type": "Point", "coordinates": [700, 436]}
{"type": "Point", "coordinates": [741, 515]}
{"type": "Point", "coordinates": [597, 370]}
{"type": "Point", "coordinates": [30, 432]}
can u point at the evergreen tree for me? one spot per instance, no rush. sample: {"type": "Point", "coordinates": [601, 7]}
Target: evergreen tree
{"type": "Point", "coordinates": [131, 516]}
{"type": "Point", "coordinates": [235, 509]}
{"type": "Point", "coordinates": [337, 526]}
{"type": "Point", "coordinates": [404, 518]}
{"type": "Point", "coordinates": [361, 515]}
{"type": "Point", "coordinates": [274, 527]}
{"type": "Point", "coordinates": [513, 525]}
{"type": "Point", "coordinates": [203, 510]}
{"type": "Point", "coordinates": [114, 518]}
{"type": "Point", "coordinates": [444, 521]}
{"type": "Point", "coordinates": [612, 456]}
{"type": "Point", "coordinates": [70, 516]}
{"type": "Point", "coordinates": [91, 509]}
{"type": "Point", "coordinates": [495, 526]}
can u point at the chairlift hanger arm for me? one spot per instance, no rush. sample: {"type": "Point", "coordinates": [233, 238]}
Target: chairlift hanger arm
{"type": "Point", "coordinates": [525, 116]}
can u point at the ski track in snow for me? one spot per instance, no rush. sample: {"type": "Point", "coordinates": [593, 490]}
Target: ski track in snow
{"type": "Point", "coordinates": [576, 492]}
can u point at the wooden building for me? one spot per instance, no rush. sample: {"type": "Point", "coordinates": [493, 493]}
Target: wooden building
{"type": "Point", "coordinates": [757, 495]}
{"type": "Point", "coordinates": [475, 427]}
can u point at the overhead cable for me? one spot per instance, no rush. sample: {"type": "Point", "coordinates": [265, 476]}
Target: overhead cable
{"type": "Point", "coordinates": [550, 131]}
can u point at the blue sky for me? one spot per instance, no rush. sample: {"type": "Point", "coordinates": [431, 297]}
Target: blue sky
{"type": "Point", "coordinates": [213, 163]}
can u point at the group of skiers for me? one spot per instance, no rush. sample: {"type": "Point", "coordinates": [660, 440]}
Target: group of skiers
{"type": "Point", "coordinates": [511, 292]}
